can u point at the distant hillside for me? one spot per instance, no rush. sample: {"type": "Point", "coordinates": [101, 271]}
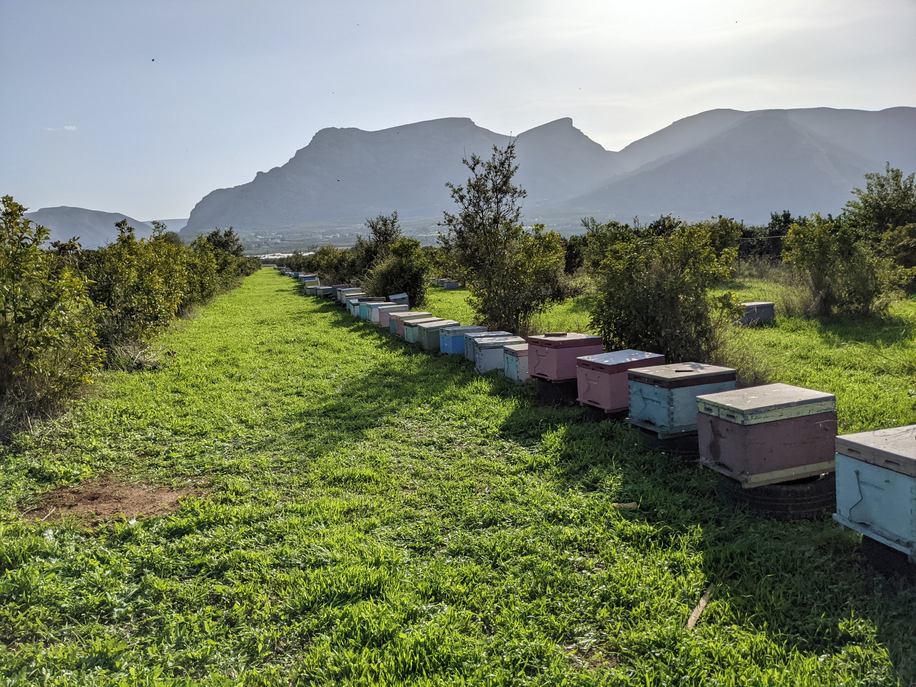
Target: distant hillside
{"type": "Point", "coordinates": [93, 227]}
{"type": "Point", "coordinates": [740, 164]}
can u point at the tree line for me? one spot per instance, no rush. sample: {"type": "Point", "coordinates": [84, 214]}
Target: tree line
{"type": "Point", "coordinates": [66, 311]}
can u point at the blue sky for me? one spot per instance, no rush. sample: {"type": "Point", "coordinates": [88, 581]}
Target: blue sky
{"type": "Point", "coordinates": [143, 107]}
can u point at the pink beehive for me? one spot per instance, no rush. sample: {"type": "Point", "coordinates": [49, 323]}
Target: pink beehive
{"type": "Point", "coordinates": [602, 379]}
{"type": "Point", "coordinates": [553, 356]}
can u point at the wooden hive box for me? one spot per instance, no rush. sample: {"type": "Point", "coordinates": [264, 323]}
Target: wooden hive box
{"type": "Point", "coordinates": [343, 295]}
{"type": "Point", "coordinates": [767, 434]}
{"type": "Point", "coordinates": [470, 337]}
{"type": "Point", "coordinates": [451, 285]}
{"type": "Point", "coordinates": [756, 312]}
{"type": "Point", "coordinates": [334, 288]}
{"type": "Point", "coordinates": [396, 320]}
{"type": "Point", "coordinates": [876, 486]}
{"type": "Point", "coordinates": [362, 311]}
{"type": "Point", "coordinates": [429, 333]}
{"type": "Point", "coordinates": [553, 356]}
{"type": "Point", "coordinates": [412, 331]}
{"type": "Point", "coordinates": [601, 378]}
{"type": "Point", "coordinates": [451, 339]}
{"type": "Point", "coordinates": [352, 303]}
{"type": "Point", "coordinates": [488, 352]}
{"type": "Point", "coordinates": [366, 308]}
{"type": "Point", "coordinates": [400, 299]}
{"type": "Point", "coordinates": [663, 398]}
{"type": "Point", "coordinates": [356, 308]}
{"type": "Point", "coordinates": [515, 362]}
{"type": "Point", "coordinates": [384, 314]}
{"type": "Point", "coordinates": [311, 290]}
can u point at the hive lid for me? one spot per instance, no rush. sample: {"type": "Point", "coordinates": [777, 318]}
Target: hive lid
{"type": "Point", "coordinates": [498, 341]}
{"type": "Point", "coordinates": [482, 335]}
{"type": "Point", "coordinates": [564, 340]}
{"type": "Point", "coordinates": [397, 296]}
{"type": "Point", "coordinates": [681, 375]}
{"type": "Point", "coordinates": [618, 361]}
{"type": "Point", "coordinates": [517, 350]}
{"type": "Point", "coordinates": [894, 449]}
{"type": "Point", "coordinates": [393, 307]}
{"type": "Point", "coordinates": [409, 314]}
{"type": "Point", "coordinates": [371, 299]}
{"type": "Point", "coordinates": [758, 304]}
{"type": "Point", "coordinates": [417, 321]}
{"type": "Point", "coordinates": [438, 324]}
{"type": "Point", "coordinates": [463, 329]}
{"type": "Point", "coordinates": [766, 403]}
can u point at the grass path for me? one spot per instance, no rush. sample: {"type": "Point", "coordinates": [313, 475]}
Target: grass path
{"type": "Point", "coordinates": [377, 515]}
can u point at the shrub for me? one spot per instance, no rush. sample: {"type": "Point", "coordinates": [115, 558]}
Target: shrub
{"type": "Point", "coordinates": [512, 272]}
{"type": "Point", "coordinates": [403, 269]}
{"type": "Point", "coordinates": [654, 291]}
{"type": "Point", "coordinates": [846, 276]}
{"type": "Point", "coordinates": [47, 342]}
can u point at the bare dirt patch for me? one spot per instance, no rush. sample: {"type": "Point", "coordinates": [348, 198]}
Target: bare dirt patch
{"type": "Point", "coordinates": [107, 498]}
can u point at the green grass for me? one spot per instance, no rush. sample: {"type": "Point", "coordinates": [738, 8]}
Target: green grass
{"type": "Point", "coordinates": [377, 515]}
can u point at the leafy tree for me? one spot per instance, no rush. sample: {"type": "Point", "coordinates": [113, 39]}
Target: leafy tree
{"type": "Point", "coordinates": [384, 229]}
{"type": "Point", "coordinates": [47, 338]}
{"type": "Point", "coordinates": [227, 241]}
{"type": "Point", "coordinates": [846, 275]}
{"type": "Point", "coordinates": [512, 273]}
{"type": "Point", "coordinates": [888, 201]}
{"type": "Point", "coordinates": [654, 290]}
{"type": "Point", "coordinates": [402, 269]}
{"type": "Point", "coordinates": [575, 247]}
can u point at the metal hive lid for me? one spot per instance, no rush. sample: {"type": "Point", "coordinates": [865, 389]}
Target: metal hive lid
{"type": "Point", "coordinates": [564, 340]}
{"type": "Point", "coordinates": [894, 449]}
{"type": "Point", "coordinates": [681, 375]}
{"type": "Point", "coordinates": [618, 361]}
{"type": "Point", "coordinates": [766, 403]}
{"type": "Point", "coordinates": [463, 329]}
{"type": "Point", "coordinates": [498, 341]}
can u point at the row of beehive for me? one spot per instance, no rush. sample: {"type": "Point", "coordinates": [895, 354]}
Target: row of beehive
{"type": "Point", "coordinates": [766, 435]}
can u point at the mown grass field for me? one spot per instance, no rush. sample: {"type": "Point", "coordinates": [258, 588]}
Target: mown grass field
{"type": "Point", "coordinates": [372, 514]}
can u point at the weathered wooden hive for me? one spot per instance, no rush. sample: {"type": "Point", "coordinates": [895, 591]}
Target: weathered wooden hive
{"type": "Point", "coordinates": [352, 303]}
{"type": "Point", "coordinates": [343, 295]}
{"type": "Point", "coordinates": [663, 398]}
{"type": "Point", "coordinates": [310, 290]}
{"type": "Point", "coordinates": [412, 331]}
{"type": "Point", "coordinates": [601, 378]}
{"type": "Point", "coordinates": [429, 333]}
{"type": "Point", "coordinates": [451, 284]}
{"type": "Point", "coordinates": [876, 486]}
{"type": "Point", "coordinates": [488, 352]}
{"type": "Point", "coordinates": [451, 339]}
{"type": "Point", "coordinates": [552, 356]}
{"type": "Point", "coordinates": [324, 291]}
{"type": "Point", "coordinates": [396, 320]}
{"type": "Point", "coordinates": [400, 299]}
{"type": "Point", "coordinates": [384, 314]}
{"type": "Point", "coordinates": [334, 288]}
{"type": "Point", "coordinates": [767, 434]}
{"type": "Point", "coordinates": [470, 337]}
{"type": "Point", "coordinates": [758, 312]}
{"type": "Point", "coordinates": [515, 362]}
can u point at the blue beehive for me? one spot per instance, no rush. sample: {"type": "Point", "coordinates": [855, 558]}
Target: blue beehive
{"type": "Point", "coordinates": [451, 285]}
{"type": "Point", "coordinates": [469, 338]}
{"type": "Point", "coordinates": [876, 486]}
{"type": "Point", "coordinates": [366, 308]}
{"type": "Point", "coordinates": [451, 339]}
{"type": "Point", "coordinates": [663, 398]}
{"type": "Point", "coordinates": [515, 362]}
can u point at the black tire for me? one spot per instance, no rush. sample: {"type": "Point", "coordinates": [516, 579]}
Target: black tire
{"type": "Point", "coordinates": [685, 446]}
{"type": "Point", "coordinates": [810, 498]}
{"type": "Point", "coordinates": [563, 393]}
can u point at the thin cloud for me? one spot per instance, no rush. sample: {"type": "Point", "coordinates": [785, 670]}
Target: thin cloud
{"type": "Point", "coordinates": [69, 128]}
{"type": "Point", "coordinates": [60, 128]}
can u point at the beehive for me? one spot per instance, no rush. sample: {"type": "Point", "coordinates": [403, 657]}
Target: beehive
{"type": "Point", "coordinates": [756, 312]}
{"type": "Point", "coordinates": [451, 284]}
{"type": "Point", "coordinates": [324, 291]}
{"type": "Point", "coordinates": [515, 362]}
{"type": "Point", "coordinates": [399, 299]}
{"type": "Point", "coordinates": [553, 356]}
{"type": "Point", "coordinates": [343, 295]}
{"type": "Point", "coordinates": [335, 287]}
{"type": "Point", "coordinates": [663, 398]}
{"type": "Point", "coordinates": [488, 352]}
{"type": "Point", "coordinates": [429, 333]}
{"type": "Point", "coordinates": [352, 303]}
{"type": "Point", "coordinates": [396, 320]}
{"type": "Point", "coordinates": [367, 309]}
{"type": "Point", "coordinates": [362, 311]}
{"type": "Point", "coordinates": [469, 338]}
{"type": "Point", "coordinates": [876, 486]}
{"type": "Point", "coordinates": [411, 331]}
{"type": "Point", "coordinates": [767, 434]}
{"type": "Point", "coordinates": [601, 378]}
{"type": "Point", "coordinates": [311, 290]}
{"type": "Point", "coordinates": [451, 339]}
{"type": "Point", "coordinates": [384, 314]}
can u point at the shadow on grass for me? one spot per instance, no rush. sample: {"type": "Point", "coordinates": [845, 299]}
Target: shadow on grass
{"type": "Point", "coordinates": [884, 330]}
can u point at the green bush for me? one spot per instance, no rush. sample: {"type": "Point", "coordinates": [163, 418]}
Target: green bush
{"type": "Point", "coordinates": [846, 276]}
{"type": "Point", "coordinates": [403, 269]}
{"type": "Point", "coordinates": [653, 290]}
{"type": "Point", "coordinates": [47, 343]}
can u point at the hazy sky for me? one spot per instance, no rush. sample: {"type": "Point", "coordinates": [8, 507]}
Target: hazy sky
{"type": "Point", "coordinates": [144, 106]}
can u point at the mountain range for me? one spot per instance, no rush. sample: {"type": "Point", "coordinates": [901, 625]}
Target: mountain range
{"type": "Point", "coordinates": [721, 162]}
{"type": "Point", "coordinates": [94, 228]}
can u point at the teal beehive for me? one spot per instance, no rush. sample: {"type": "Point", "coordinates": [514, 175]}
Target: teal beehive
{"type": "Point", "coordinates": [876, 486]}
{"type": "Point", "coordinates": [515, 362]}
{"type": "Point", "coordinates": [412, 331]}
